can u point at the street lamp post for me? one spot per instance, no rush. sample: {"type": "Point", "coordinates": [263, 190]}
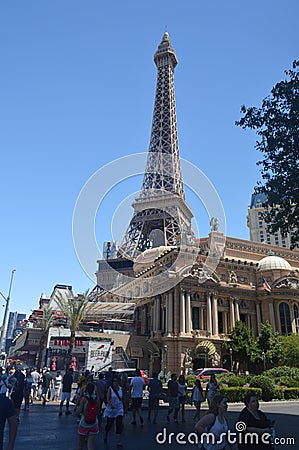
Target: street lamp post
{"type": "Point", "coordinates": [165, 349]}
{"type": "Point", "coordinates": [5, 318]}
{"type": "Point", "coordinates": [231, 358]}
{"type": "Point", "coordinates": [264, 360]}
{"type": "Point", "coordinates": [206, 356]}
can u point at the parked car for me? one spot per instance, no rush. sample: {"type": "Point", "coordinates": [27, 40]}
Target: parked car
{"type": "Point", "coordinates": [207, 372]}
{"type": "Point", "coordinates": [131, 374]}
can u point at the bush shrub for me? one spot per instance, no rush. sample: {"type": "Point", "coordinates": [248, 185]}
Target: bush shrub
{"type": "Point", "coordinates": [190, 380]}
{"type": "Point", "coordinates": [230, 379]}
{"type": "Point", "coordinates": [287, 381]}
{"type": "Point", "coordinates": [278, 393]}
{"type": "Point", "coordinates": [291, 393]}
{"type": "Point", "coordinates": [237, 394]}
{"type": "Point", "coordinates": [266, 384]}
{"type": "Point", "coordinates": [283, 371]}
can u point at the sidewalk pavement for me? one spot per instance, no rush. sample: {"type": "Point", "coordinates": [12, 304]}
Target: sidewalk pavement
{"type": "Point", "coordinates": [42, 429]}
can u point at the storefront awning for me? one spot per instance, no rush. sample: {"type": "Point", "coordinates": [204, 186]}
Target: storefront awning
{"type": "Point", "coordinates": [205, 346]}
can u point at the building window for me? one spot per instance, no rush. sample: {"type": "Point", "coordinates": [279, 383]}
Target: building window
{"type": "Point", "coordinates": [285, 319]}
{"type": "Point", "coordinates": [220, 322]}
{"type": "Point", "coordinates": [195, 318]}
{"type": "Point", "coordinates": [296, 315]}
{"type": "Point", "coordinates": [243, 318]}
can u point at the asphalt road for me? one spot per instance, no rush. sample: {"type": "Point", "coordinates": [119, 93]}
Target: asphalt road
{"type": "Point", "coordinates": [42, 429]}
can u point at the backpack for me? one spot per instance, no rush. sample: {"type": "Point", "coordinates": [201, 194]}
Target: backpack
{"type": "Point", "coordinates": [91, 412]}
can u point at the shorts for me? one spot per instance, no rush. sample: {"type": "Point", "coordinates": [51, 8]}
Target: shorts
{"type": "Point", "coordinates": [174, 403]}
{"type": "Point", "coordinates": [65, 396]}
{"type": "Point", "coordinates": [182, 399]}
{"type": "Point", "coordinates": [85, 431]}
{"type": "Point", "coordinates": [153, 403]}
{"type": "Point", "coordinates": [17, 400]}
{"type": "Point", "coordinates": [136, 402]}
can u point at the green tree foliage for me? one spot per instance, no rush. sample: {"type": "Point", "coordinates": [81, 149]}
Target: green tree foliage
{"type": "Point", "coordinates": [44, 323]}
{"type": "Point", "coordinates": [243, 343]}
{"type": "Point", "coordinates": [291, 350]}
{"type": "Point", "coordinates": [271, 344]}
{"type": "Point", "coordinates": [75, 310]}
{"type": "Point", "coordinates": [277, 125]}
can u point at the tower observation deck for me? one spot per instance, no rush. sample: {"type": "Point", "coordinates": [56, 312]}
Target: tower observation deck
{"type": "Point", "coordinates": [161, 215]}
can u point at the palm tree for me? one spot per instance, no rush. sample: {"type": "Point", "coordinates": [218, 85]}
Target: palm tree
{"type": "Point", "coordinates": [43, 322]}
{"type": "Point", "coordinates": [75, 310]}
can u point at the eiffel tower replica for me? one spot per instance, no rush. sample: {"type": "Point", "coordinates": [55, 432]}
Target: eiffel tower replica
{"type": "Point", "coordinates": [161, 215]}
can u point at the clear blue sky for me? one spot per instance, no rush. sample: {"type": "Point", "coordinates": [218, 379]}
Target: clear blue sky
{"type": "Point", "coordinates": [77, 85]}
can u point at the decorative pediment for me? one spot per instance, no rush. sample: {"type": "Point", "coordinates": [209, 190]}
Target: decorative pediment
{"type": "Point", "coordinates": [199, 272]}
{"type": "Point", "coordinates": [289, 282]}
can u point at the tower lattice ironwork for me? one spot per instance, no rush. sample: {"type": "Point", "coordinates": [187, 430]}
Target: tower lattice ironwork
{"type": "Point", "coordinates": [161, 214]}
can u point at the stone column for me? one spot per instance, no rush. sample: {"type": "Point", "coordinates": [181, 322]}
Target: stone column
{"type": "Point", "coordinates": [293, 320]}
{"type": "Point", "coordinates": [167, 312]}
{"type": "Point", "coordinates": [209, 313]}
{"type": "Point", "coordinates": [153, 307]}
{"type": "Point", "coordinates": [143, 319]}
{"type": "Point", "coordinates": [176, 310]}
{"type": "Point", "coordinates": [258, 317]}
{"type": "Point", "coordinates": [237, 309]}
{"type": "Point", "coordinates": [225, 325]}
{"type": "Point", "coordinates": [272, 316]}
{"type": "Point", "coordinates": [188, 313]}
{"type": "Point", "coordinates": [215, 314]}
{"type": "Point", "coordinates": [231, 313]}
{"type": "Point", "coordinates": [158, 314]}
{"type": "Point", "coordinates": [201, 322]}
{"type": "Point", "coordinates": [182, 312]}
{"type": "Point", "coordinates": [248, 321]}
{"type": "Point", "coordinates": [170, 315]}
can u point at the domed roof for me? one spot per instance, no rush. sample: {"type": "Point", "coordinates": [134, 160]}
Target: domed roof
{"type": "Point", "coordinates": [152, 253]}
{"type": "Point", "coordinates": [272, 262]}
{"type": "Point", "coordinates": [147, 258]}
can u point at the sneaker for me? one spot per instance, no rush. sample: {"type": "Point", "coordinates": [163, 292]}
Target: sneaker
{"type": "Point", "coordinates": [175, 420]}
{"type": "Point", "coordinates": [167, 418]}
{"type": "Point", "coordinates": [60, 413]}
{"type": "Point", "coordinates": [68, 413]}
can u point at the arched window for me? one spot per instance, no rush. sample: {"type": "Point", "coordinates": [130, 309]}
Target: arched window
{"type": "Point", "coordinates": [195, 318]}
{"type": "Point", "coordinates": [285, 319]}
{"type": "Point", "coordinates": [296, 315]}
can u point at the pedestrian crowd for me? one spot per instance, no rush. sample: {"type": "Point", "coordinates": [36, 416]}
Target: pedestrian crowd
{"type": "Point", "coordinates": [110, 398]}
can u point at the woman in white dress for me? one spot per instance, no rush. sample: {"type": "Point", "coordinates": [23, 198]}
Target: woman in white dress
{"type": "Point", "coordinates": [114, 410]}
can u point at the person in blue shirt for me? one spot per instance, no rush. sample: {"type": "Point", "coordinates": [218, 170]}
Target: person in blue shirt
{"type": "Point", "coordinates": [155, 390]}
